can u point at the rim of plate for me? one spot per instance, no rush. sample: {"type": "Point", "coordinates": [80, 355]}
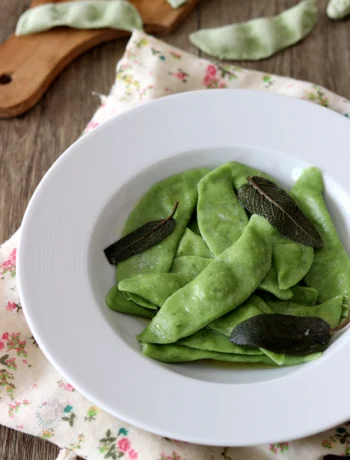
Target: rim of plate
{"type": "Point", "coordinates": [104, 369]}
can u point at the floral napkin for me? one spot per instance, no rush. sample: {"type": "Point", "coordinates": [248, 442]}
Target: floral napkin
{"type": "Point", "coordinates": [33, 396]}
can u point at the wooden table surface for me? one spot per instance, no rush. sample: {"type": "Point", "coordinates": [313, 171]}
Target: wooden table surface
{"type": "Point", "coordinates": [29, 144]}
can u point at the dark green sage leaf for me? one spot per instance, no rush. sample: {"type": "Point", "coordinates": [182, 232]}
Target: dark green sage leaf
{"type": "Point", "coordinates": [3, 360]}
{"type": "Point", "coordinates": [263, 197]}
{"type": "Point", "coordinates": [141, 239]}
{"type": "Point", "coordinates": [333, 457]}
{"type": "Point", "coordinates": [292, 335]}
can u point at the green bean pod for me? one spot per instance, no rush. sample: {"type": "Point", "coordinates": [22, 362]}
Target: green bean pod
{"type": "Point", "coordinates": [338, 9]}
{"type": "Point", "coordinates": [259, 38]}
{"type": "Point", "coordinates": [85, 14]}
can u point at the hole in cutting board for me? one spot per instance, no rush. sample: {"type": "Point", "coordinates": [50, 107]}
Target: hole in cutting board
{"type": "Point", "coordinates": [5, 78]}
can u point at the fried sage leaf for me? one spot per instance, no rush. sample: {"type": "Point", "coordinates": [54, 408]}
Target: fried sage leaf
{"type": "Point", "coordinates": [141, 239]}
{"type": "Point", "coordinates": [293, 335]}
{"type": "Point", "coordinates": [333, 457]}
{"type": "Point", "coordinates": [263, 197]}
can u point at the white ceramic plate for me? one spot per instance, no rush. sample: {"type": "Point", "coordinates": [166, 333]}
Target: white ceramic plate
{"type": "Point", "coordinates": [80, 207]}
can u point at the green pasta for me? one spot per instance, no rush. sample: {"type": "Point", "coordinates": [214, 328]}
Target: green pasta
{"type": "Point", "coordinates": [191, 266]}
{"type": "Point", "coordinates": [304, 295]}
{"type": "Point", "coordinates": [240, 172]}
{"type": "Point", "coordinates": [291, 260]}
{"type": "Point", "coordinates": [221, 218]}
{"type": "Point", "coordinates": [85, 14]}
{"type": "Point", "coordinates": [181, 354]}
{"type": "Point", "coordinates": [139, 300]}
{"type": "Point", "coordinates": [192, 244]}
{"type": "Point", "coordinates": [200, 281]}
{"type": "Point", "coordinates": [330, 270]}
{"type": "Point", "coordinates": [259, 38]}
{"type": "Point", "coordinates": [153, 288]}
{"type": "Point", "coordinates": [117, 302]}
{"type": "Point", "coordinates": [208, 340]}
{"type": "Point", "coordinates": [330, 310]}
{"type": "Point", "coordinates": [251, 307]}
{"type": "Point", "coordinates": [270, 284]}
{"type": "Point", "coordinates": [221, 287]}
{"type": "Point", "coordinates": [155, 204]}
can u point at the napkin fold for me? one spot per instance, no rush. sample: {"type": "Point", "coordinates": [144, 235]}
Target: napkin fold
{"type": "Point", "coordinates": [34, 398]}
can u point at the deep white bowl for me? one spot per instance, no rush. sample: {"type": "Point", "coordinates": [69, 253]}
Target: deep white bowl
{"type": "Point", "coordinates": [80, 207]}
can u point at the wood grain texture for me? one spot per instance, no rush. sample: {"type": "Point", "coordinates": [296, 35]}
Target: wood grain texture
{"type": "Point", "coordinates": [29, 144]}
{"type": "Point", "coordinates": [29, 64]}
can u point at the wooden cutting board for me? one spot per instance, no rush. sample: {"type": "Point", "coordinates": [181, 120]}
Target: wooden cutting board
{"type": "Point", "coordinates": [29, 64]}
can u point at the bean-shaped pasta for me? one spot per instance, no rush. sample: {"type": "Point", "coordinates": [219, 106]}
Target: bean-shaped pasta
{"type": "Point", "coordinates": [259, 38]}
{"type": "Point", "coordinates": [221, 218]}
{"type": "Point", "coordinates": [151, 289]}
{"type": "Point", "coordinates": [139, 300]}
{"type": "Point", "coordinates": [85, 14]}
{"type": "Point", "coordinates": [304, 295]}
{"type": "Point", "coordinates": [154, 288]}
{"type": "Point", "coordinates": [270, 284]}
{"type": "Point", "coordinates": [117, 302]}
{"type": "Point", "coordinates": [180, 354]}
{"type": "Point", "coordinates": [192, 244]}
{"type": "Point", "coordinates": [330, 310]}
{"type": "Point", "coordinates": [292, 260]}
{"type": "Point", "coordinates": [330, 270]}
{"type": "Point", "coordinates": [208, 340]}
{"type": "Point", "coordinates": [227, 282]}
{"type": "Point", "coordinates": [155, 204]}
{"type": "Point", "coordinates": [251, 307]}
{"type": "Point", "coordinates": [175, 353]}
{"type": "Point", "coordinates": [190, 266]}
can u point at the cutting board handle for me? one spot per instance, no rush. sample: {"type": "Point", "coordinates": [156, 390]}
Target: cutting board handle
{"type": "Point", "coordinates": [29, 64]}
